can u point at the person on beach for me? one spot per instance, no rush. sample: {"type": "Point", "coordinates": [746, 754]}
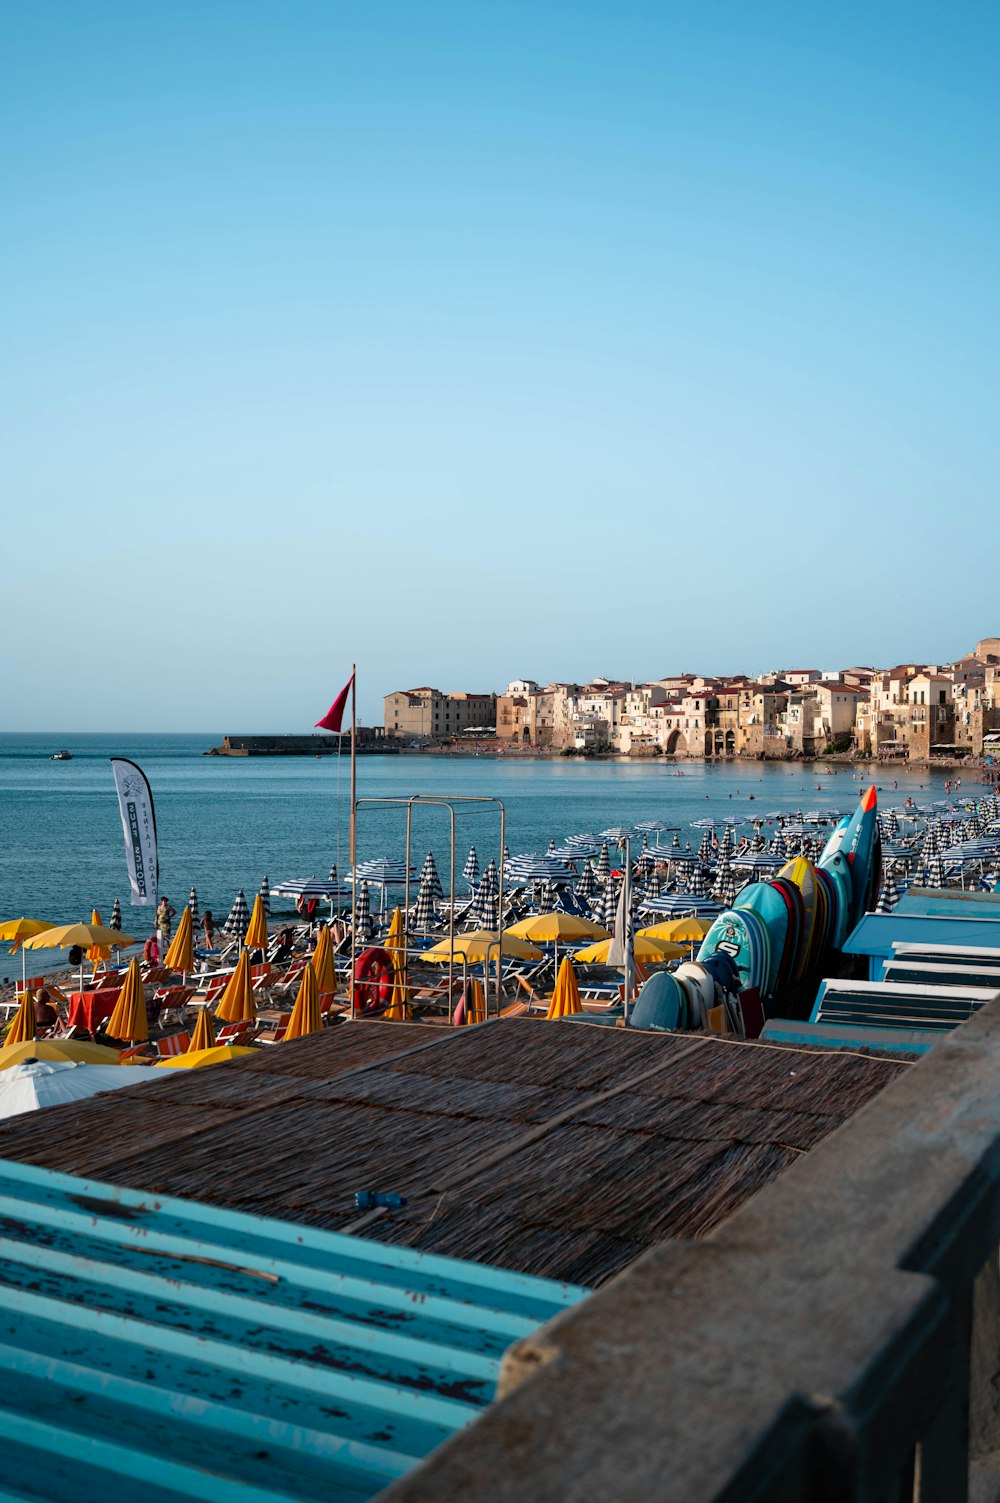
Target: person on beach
{"type": "Point", "coordinates": [46, 1013]}
{"type": "Point", "coordinates": [164, 915]}
{"type": "Point", "coordinates": [151, 951]}
{"type": "Point", "coordinates": [208, 928]}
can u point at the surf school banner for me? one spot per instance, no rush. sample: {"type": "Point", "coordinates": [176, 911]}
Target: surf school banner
{"type": "Point", "coordinates": [135, 802]}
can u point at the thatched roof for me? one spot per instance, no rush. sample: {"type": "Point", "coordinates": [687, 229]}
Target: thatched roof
{"type": "Point", "coordinates": [554, 1149]}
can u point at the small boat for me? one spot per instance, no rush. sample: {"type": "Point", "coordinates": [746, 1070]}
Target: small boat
{"type": "Point", "coordinates": [61, 756]}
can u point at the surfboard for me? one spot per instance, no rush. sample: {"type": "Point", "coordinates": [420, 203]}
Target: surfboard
{"type": "Point", "coordinates": [835, 840]}
{"type": "Point", "coordinates": [701, 984]}
{"type": "Point", "coordinates": [837, 870]}
{"type": "Point", "coordinates": [658, 1005]}
{"type": "Point", "coordinates": [771, 907]}
{"type": "Point", "coordinates": [799, 872]}
{"type": "Point", "coordinates": [858, 846]}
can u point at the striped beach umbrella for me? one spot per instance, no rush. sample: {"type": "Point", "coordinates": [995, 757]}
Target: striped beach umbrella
{"type": "Point", "coordinates": [115, 921]}
{"type": "Point", "coordinates": [602, 871]}
{"type": "Point", "coordinates": [429, 875]}
{"type": "Point", "coordinates": [705, 849]}
{"type": "Point", "coordinates": [265, 895]}
{"type": "Point", "coordinates": [487, 906]}
{"type": "Point", "coordinates": [607, 906]}
{"type": "Point", "coordinates": [238, 922]}
{"type": "Point", "coordinates": [362, 915]}
{"type": "Point", "coordinates": [545, 897]}
{"type": "Point", "coordinates": [725, 889]}
{"type": "Point", "coordinates": [192, 903]}
{"type": "Point", "coordinates": [333, 872]}
{"type": "Point", "coordinates": [470, 871]}
{"type": "Point", "coordinates": [935, 871]}
{"type": "Point", "coordinates": [587, 883]}
{"type": "Point", "coordinates": [424, 913]}
{"type": "Point", "coordinates": [697, 886]}
{"type": "Point", "coordinates": [889, 896]}
{"type": "Point", "coordinates": [676, 842]}
{"type": "Point", "coordinates": [524, 870]}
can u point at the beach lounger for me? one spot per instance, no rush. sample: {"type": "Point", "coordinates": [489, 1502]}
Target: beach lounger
{"type": "Point", "coordinates": [174, 1043]}
{"type": "Point", "coordinates": [234, 1033]}
{"type": "Point", "coordinates": [272, 1035]}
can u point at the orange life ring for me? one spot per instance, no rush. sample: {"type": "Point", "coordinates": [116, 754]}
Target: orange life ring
{"type": "Point", "coordinates": [373, 977]}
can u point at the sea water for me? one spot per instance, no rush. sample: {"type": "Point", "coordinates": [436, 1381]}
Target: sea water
{"type": "Point", "coordinates": [224, 822]}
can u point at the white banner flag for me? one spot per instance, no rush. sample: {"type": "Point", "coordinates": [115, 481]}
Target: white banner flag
{"type": "Point", "coordinates": [135, 800]}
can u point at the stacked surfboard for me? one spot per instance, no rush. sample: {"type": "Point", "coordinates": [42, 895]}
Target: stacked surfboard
{"type": "Point", "coordinates": [776, 934]}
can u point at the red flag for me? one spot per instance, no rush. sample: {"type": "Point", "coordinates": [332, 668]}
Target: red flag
{"type": "Point", "coordinates": [333, 720]}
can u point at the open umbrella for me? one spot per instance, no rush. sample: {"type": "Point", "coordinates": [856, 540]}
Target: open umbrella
{"type": "Point", "coordinates": [194, 1059]}
{"type": "Point", "coordinates": [566, 994]}
{"type": "Point", "coordinates": [256, 934]}
{"type": "Point", "coordinates": [237, 1004]}
{"type": "Point", "coordinates": [65, 936]}
{"type": "Point", "coordinates": [305, 1016]}
{"type": "Point", "coordinates": [645, 949]}
{"type": "Point", "coordinates": [479, 945]}
{"type": "Point", "coordinates": [556, 927]}
{"type": "Point", "coordinates": [40, 1083]}
{"type": "Point", "coordinates": [204, 1032]}
{"type": "Point", "coordinates": [74, 1049]}
{"type": "Point", "coordinates": [17, 931]}
{"type": "Point", "coordinates": [679, 931]}
{"type": "Point", "coordinates": [128, 1022]}
{"type": "Point", "coordinates": [180, 951]}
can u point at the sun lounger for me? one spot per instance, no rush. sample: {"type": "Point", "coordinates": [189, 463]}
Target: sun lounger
{"type": "Point", "coordinates": [174, 1043]}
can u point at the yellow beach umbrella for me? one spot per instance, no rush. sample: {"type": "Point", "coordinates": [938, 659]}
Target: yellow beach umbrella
{"type": "Point", "coordinates": [476, 1007]}
{"type": "Point", "coordinates": [679, 931]}
{"type": "Point", "coordinates": [195, 1059]}
{"type": "Point", "coordinates": [64, 936]}
{"type": "Point", "coordinates": [566, 994]}
{"type": "Point", "coordinates": [204, 1033]}
{"type": "Point", "coordinates": [256, 935]}
{"type": "Point", "coordinates": [322, 964]}
{"type": "Point", "coordinates": [480, 945]}
{"type": "Point", "coordinates": [97, 953]}
{"type": "Point", "coordinates": [22, 1030]}
{"type": "Point", "coordinates": [128, 1022]}
{"type": "Point", "coordinates": [645, 949]}
{"type": "Point", "coordinates": [17, 931]}
{"type": "Point", "coordinates": [550, 928]}
{"type": "Point", "coordinates": [395, 942]}
{"type": "Point", "coordinates": [305, 1016]}
{"type": "Point", "coordinates": [76, 1050]}
{"type": "Point", "coordinates": [180, 952]}
{"type": "Point", "coordinates": [237, 1003]}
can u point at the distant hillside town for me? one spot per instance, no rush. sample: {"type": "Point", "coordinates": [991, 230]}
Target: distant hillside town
{"type": "Point", "coordinates": [911, 712]}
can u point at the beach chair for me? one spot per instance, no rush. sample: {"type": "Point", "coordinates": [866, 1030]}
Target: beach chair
{"type": "Point", "coordinates": [133, 1055]}
{"type": "Point", "coordinates": [272, 1035]}
{"type": "Point", "coordinates": [174, 1043]}
{"type": "Point", "coordinates": [234, 1033]}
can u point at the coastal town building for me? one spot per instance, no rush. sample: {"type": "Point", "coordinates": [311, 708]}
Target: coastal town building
{"type": "Point", "coordinates": [428, 715]}
{"type": "Point", "coordinates": [910, 710]}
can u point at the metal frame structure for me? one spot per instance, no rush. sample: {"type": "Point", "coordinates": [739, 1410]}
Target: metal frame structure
{"type": "Point", "coordinates": [422, 800]}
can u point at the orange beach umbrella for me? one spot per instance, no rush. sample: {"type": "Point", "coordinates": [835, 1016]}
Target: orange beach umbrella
{"type": "Point", "coordinates": [321, 964]}
{"type": "Point", "coordinates": [204, 1033]}
{"type": "Point", "coordinates": [305, 1016]}
{"type": "Point", "coordinates": [566, 994]}
{"type": "Point", "coordinates": [237, 1003]}
{"type": "Point", "coordinates": [128, 1022]}
{"type": "Point", "coordinates": [180, 952]}
{"type": "Point", "coordinates": [23, 1027]}
{"type": "Point", "coordinates": [256, 935]}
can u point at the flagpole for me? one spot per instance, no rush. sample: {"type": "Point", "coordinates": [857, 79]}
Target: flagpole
{"type": "Point", "coordinates": [354, 767]}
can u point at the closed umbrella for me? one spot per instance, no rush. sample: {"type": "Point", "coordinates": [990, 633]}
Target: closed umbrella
{"type": "Point", "coordinates": [238, 922]}
{"type": "Point", "coordinates": [566, 993]}
{"type": "Point", "coordinates": [97, 953]}
{"type": "Point", "coordinates": [265, 894]}
{"type": "Point", "coordinates": [889, 896]}
{"type": "Point", "coordinates": [487, 907]}
{"type": "Point", "coordinates": [587, 885]}
{"type": "Point", "coordinates": [128, 1022]}
{"type": "Point", "coordinates": [180, 952]}
{"type": "Point", "coordinates": [603, 869]}
{"type": "Point", "coordinates": [322, 965]}
{"type": "Point", "coordinates": [362, 915]}
{"type": "Point", "coordinates": [237, 1004]}
{"type": "Point", "coordinates": [607, 907]}
{"type": "Point", "coordinates": [255, 937]}
{"type": "Point", "coordinates": [470, 871]}
{"type": "Point", "coordinates": [192, 903]}
{"type": "Point", "coordinates": [429, 876]}
{"type": "Point", "coordinates": [204, 1033]}
{"type": "Point", "coordinates": [305, 1016]}
{"type": "Point", "coordinates": [424, 913]}
{"type": "Point", "coordinates": [395, 943]}
{"type": "Point", "coordinates": [23, 1027]}
{"type": "Point", "coordinates": [115, 921]}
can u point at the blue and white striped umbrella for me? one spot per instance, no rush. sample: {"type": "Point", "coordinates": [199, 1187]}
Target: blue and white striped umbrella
{"type": "Point", "coordinates": [238, 921]}
{"type": "Point", "coordinates": [587, 885]}
{"type": "Point", "coordinates": [424, 913]}
{"type": "Point", "coordinates": [725, 891]}
{"type": "Point", "coordinates": [697, 886]}
{"type": "Point", "coordinates": [115, 921]}
{"type": "Point", "coordinates": [429, 874]}
{"type": "Point", "coordinates": [363, 926]}
{"type": "Point", "coordinates": [385, 871]}
{"type": "Point", "coordinates": [487, 905]}
{"type": "Point", "coordinates": [889, 896]}
{"type": "Point", "coordinates": [310, 887]}
{"type": "Point", "coordinates": [522, 870]}
{"type": "Point", "coordinates": [618, 833]}
{"type": "Point", "coordinates": [545, 897]}
{"type": "Point", "coordinates": [705, 850]}
{"type": "Point", "coordinates": [588, 839]}
{"type": "Point", "coordinates": [470, 871]}
{"type": "Point", "coordinates": [569, 852]}
{"type": "Point", "coordinates": [333, 872]}
{"type": "Point", "coordinates": [935, 871]}
{"type": "Point", "coordinates": [677, 904]}
{"type": "Point", "coordinates": [265, 895]}
{"type": "Point", "coordinates": [602, 870]}
{"type": "Point", "coordinates": [607, 906]}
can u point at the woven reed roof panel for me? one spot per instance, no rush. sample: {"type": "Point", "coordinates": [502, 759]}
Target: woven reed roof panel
{"type": "Point", "coordinates": [553, 1149]}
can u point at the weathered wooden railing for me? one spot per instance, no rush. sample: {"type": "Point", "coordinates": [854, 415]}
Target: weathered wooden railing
{"type": "Point", "coordinates": [837, 1338]}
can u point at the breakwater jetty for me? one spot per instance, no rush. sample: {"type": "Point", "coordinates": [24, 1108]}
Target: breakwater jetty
{"type": "Point", "coordinates": [370, 740]}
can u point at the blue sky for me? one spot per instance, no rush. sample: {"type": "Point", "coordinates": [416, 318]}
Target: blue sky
{"type": "Point", "coordinates": [479, 341]}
